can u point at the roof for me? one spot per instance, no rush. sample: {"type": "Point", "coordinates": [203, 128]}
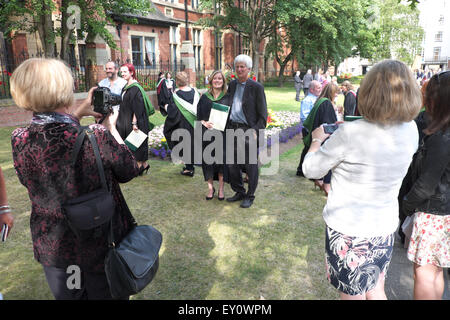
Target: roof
{"type": "Point", "coordinates": [155, 18]}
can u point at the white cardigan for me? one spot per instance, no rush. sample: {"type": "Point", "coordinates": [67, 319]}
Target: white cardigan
{"type": "Point", "coordinates": [368, 162]}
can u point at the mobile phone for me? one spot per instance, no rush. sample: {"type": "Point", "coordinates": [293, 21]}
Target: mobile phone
{"type": "Point", "coordinates": [4, 233]}
{"type": "Point", "coordinates": [330, 128]}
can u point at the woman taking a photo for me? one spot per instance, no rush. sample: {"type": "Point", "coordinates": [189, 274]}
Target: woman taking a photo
{"type": "Point", "coordinates": [429, 246]}
{"type": "Point", "coordinates": [42, 154]}
{"type": "Point", "coordinates": [324, 111]}
{"type": "Point", "coordinates": [133, 114]}
{"type": "Point", "coordinates": [369, 158]}
{"type": "Point", "coordinates": [216, 94]}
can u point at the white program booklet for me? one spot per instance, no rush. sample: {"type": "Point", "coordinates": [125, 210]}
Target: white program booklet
{"type": "Point", "coordinates": [135, 139]}
{"type": "Point", "coordinates": [219, 116]}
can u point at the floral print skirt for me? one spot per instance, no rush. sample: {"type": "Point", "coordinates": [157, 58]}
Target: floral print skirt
{"type": "Point", "coordinates": [354, 264]}
{"type": "Point", "coordinates": [430, 240]}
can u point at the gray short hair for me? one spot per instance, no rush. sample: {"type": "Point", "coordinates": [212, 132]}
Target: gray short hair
{"type": "Point", "coordinates": [245, 59]}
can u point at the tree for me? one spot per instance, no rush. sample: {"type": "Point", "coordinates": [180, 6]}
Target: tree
{"type": "Point", "coordinates": [400, 35]}
{"type": "Point", "coordinates": [252, 19]}
{"type": "Point", "coordinates": [87, 16]}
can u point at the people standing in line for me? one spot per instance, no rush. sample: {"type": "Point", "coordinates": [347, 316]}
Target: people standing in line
{"type": "Point", "coordinates": [369, 158]}
{"type": "Point", "coordinates": [135, 109]}
{"type": "Point", "coordinates": [182, 114]}
{"type": "Point", "coordinates": [307, 79]}
{"type": "Point", "coordinates": [248, 113]}
{"type": "Point", "coordinates": [350, 98]}
{"type": "Point", "coordinates": [306, 106]}
{"type": "Point", "coordinates": [429, 246]}
{"type": "Point", "coordinates": [323, 112]}
{"type": "Point", "coordinates": [217, 93]}
{"type": "Point", "coordinates": [42, 155]}
{"type": "Point", "coordinates": [112, 81]}
{"type": "Point", "coordinates": [297, 85]}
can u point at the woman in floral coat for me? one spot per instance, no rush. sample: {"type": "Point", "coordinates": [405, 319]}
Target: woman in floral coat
{"type": "Point", "coordinates": [42, 159]}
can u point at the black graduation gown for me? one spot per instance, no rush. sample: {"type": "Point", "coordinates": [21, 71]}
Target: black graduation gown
{"type": "Point", "coordinates": [176, 120]}
{"type": "Point", "coordinates": [325, 114]}
{"type": "Point", "coordinates": [164, 95]}
{"type": "Point", "coordinates": [203, 111]}
{"type": "Point", "coordinates": [133, 103]}
{"type": "Point", "coordinates": [349, 104]}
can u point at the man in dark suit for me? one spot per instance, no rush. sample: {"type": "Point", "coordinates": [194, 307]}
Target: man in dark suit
{"type": "Point", "coordinates": [248, 113]}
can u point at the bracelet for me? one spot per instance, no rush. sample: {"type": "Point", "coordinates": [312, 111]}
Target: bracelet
{"type": "Point", "coordinates": [318, 140]}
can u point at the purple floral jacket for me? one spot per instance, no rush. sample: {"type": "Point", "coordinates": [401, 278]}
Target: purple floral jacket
{"type": "Point", "coordinates": [42, 159]}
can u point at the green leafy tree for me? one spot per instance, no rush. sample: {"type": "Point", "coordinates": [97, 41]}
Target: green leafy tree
{"type": "Point", "coordinates": [400, 35]}
{"type": "Point", "coordinates": [89, 17]}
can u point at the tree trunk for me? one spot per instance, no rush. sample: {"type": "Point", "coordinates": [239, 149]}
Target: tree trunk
{"type": "Point", "coordinates": [66, 32]}
{"type": "Point", "coordinates": [45, 30]}
{"type": "Point", "coordinates": [281, 75]}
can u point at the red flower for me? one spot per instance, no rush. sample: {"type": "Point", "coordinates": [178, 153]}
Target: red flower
{"type": "Point", "coordinates": [254, 78]}
{"type": "Point", "coordinates": [9, 74]}
{"type": "Point", "coordinates": [269, 119]}
{"type": "Point", "coordinates": [232, 75]}
{"type": "Point", "coordinates": [1, 83]}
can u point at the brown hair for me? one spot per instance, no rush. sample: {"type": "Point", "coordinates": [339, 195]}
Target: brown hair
{"type": "Point", "coordinates": [329, 91]}
{"type": "Point", "coordinates": [42, 85]}
{"type": "Point", "coordinates": [437, 102]}
{"type": "Point", "coordinates": [347, 84]}
{"type": "Point", "coordinates": [389, 94]}
{"type": "Point", "coordinates": [211, 77]}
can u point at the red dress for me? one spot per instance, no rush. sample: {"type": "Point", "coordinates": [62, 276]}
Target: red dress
{"type": "Point", "coordinates": [42, 155]}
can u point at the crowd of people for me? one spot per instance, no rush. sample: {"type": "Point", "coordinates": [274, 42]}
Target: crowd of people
{"type": "Point", "coordinates": [42, 155]}
{"type": "Point", "coordinates": [396, 157]}
{"type": "Point", "coordinates": [360, 165]}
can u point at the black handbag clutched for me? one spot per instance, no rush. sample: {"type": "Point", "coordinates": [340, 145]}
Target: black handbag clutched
{"type": "Point", "coordinates": [94, 209]}
{"type": "Point", "coordinates": [131, 265]}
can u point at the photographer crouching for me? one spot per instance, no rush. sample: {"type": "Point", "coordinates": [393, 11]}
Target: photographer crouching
{"type": "Point", "coordinates": [42, 154]}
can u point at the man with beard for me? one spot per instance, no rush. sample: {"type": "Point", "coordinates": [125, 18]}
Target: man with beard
{"type": "Point", "coordinates": [113, 82]}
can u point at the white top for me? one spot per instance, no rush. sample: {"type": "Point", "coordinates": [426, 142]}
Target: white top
{"type": "Point", "coordinates": [117, 86]}
{"type": "Point", "coordinates": [368, 162]}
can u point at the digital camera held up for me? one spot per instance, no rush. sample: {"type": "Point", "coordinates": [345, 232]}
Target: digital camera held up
{"type": "Point", "coordinates": [104, 99]}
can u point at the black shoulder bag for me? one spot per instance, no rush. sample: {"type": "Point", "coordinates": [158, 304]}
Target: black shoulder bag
{"type": "Point", "coordinates": [94, 209]}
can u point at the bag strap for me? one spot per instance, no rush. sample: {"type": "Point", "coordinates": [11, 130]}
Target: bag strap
{"type": "Point", "coordinates": [85, 130]}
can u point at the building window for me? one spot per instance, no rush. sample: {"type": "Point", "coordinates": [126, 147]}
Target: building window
{"type": "Point", "coordinates": [143, 51]}
{"type": "Point", "coordinates": [438, 36]}
{"type": "Point", "coordinates": [194, 4]}
{"type": "Point", "coordinates": [246, 46]}
{"type": "Point", "coordinates": [218, 49]}
{"type": "Point", "coordinates": [173, 45]}
{"type": "Point", "coordinates": [441, 19]}
{"type": "Point", "coordinates": [436, 53]}
{"type": "Point", "coordinates": [172, 1]}
{"type": "Point", "coordinates": [169, 12]}
{"type": "Point", "coordinates": [197, 47]}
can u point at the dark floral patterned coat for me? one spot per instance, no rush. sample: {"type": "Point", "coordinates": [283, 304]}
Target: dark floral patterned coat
{"type": "Point", "coordinates": [42, 158]}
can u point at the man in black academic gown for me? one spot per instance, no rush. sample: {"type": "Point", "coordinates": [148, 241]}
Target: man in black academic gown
{"type": "Point", "coordinates": [249, 113]}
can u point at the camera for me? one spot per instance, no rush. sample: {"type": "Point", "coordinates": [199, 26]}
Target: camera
{"type": "Point", "coordinates": [104, 100]}
{"type": "Point", "coordinates": [330, 128]}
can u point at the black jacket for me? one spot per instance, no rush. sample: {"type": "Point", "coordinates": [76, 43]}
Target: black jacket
{"type": "Point", "coordinates": [430, 192]}
{"type": "Point", "coordinates": [254, 103]}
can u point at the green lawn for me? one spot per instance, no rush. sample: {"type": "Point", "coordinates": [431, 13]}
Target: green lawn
{"type": "Point", "coordinates": [211, 249]}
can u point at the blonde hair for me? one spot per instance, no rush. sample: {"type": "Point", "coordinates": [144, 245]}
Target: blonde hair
{"type": "Point", "coordinates": [389, 94]}
{"type": "Point", "coordinates": [347, 84]}
{"type": "Point", "coordinates": [182, 79]}
{"type": "Point", "coordinates": [211, 77]}
{"type": "Point", "coordinates": [42, 85]}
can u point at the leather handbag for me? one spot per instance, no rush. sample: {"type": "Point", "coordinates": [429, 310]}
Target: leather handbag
{"type": "Point", "coordinates": [88, 212]}
{"type": "Point", "coordinates": [132, 264]}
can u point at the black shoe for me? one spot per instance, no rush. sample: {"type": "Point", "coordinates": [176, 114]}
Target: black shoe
{"type": "Point", "coordinates": [236, 197]}
{"type": "Point", "coordinates": [247, 203]}
{"type": "Point", "coordinates": [210, 198]}
{"type": "Point", "coordinates": [187, 172]}
{"type": "Point", "coordinates": [142, 169]}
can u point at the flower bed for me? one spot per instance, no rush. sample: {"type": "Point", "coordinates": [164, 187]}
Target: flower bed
{"type": "Point", "coordinates": [285, 123]}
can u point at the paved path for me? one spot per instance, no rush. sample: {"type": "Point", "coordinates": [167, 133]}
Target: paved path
{"type": "Point", "coordinates": [399, 282]}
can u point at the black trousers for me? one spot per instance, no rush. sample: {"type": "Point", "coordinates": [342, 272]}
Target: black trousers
{"type": "Point", "coordinates": [93, 286]}
{"type": "Point", "coordinates": [302, 158]}
{"type": "Point", "coordinates": [236, 169]}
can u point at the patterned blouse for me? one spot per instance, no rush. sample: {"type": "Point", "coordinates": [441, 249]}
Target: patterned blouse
{"type": "Point", "coordinates": [42, 159]}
